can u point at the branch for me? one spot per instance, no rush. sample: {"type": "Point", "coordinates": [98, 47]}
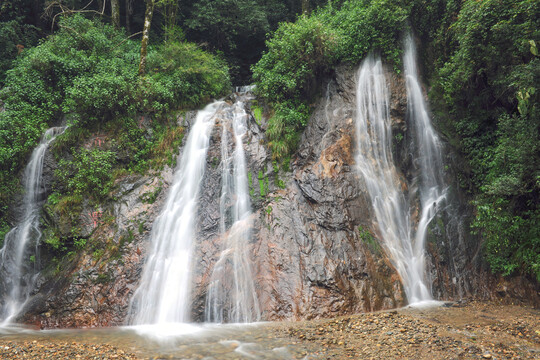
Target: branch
{"type": "Point", "coordinates": [80, 36]}
{"type": "Point", "coordinates": [64, 10]}
{"type": "Point", "coordinates": [126, 39]}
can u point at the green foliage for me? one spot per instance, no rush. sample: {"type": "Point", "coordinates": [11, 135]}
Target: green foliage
{"type": "Point", "coordinates": [286, 76]}
{"type": "Point", "coordinates": [257, 113]}
{"type": "Point", "coordinates": [285, 167]}
{"type": "Point", "coordinates": [369, 25]}
{"type": "Point", "coordinates": [88, 174]}
{"type": "Point", "coordinates": [489, 84]}
{"type": "Point", "coordinates": [151, 196]}
{"type": "Point", "coordinates": [297, 53]}
{"type": "Point", "coordinates": [103, 278]}
{"type": "Point", "coordinates": [284, 128]}
{"type": "Point", "coordinates": [55, 243]}
{"type": "Point", "coordinates": [14, 37]}
{"type": "Point", "coordinates": [263, 184]}
{"type": "Point", "coordinates": [368, 239]}
{"type": "Point", "coordinates": [181, 74]}
{"type": "Point", "coordinates": [4, 229]}
{"type": "Point", "coordinates": [512, 241]}
{"type": "Point", "coordinates": [79, 243]}
{"type": "Point", "coordinates": [87, 71]}
{"type": "Point", "coordinates": [300, 53]}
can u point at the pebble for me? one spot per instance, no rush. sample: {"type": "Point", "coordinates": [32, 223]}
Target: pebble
{"type": "Point", "coordinates": [474, 330]}
{"type": "Point", "coordinates": [448, 332]}
{"type": "Point", "coordinates": [60, 350]}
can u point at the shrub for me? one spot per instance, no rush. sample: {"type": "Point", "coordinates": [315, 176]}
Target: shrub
{"type": "Point", "coordinates": [181, 74]}
{"type": "Point", "coordinates": [297, 54]}
{"type": "Point", "coordinates": [489, 84]}
{"type": "Point", "coordinates": [300, 53]}
{"type": "Point", "coordinates": [88, 174]}
{"type": "Point", "coordinates": [14, 38]}
{"type": "Point", "coordinates": [87, 72]}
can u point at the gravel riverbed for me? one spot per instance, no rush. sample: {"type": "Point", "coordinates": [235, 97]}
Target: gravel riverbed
{"type": "Point", "coordinates": [476, 330]}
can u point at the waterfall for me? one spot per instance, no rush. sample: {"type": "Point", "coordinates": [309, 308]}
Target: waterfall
{"type": "Point", "coordinates": [428, 159]}
{"type": "Point", "coordinates": [231, 293]}
{"type": "Point", "coordinates": [376, 165]}
{"type": "Point", "coordinates": [163, 295]}
{"type": "Point", "coordinates": [18, 257]}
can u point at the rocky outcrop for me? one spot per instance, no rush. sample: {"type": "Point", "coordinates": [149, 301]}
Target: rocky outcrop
{"type": "Point", "coordinates": [314, 248]}
{"type": "Point", "coordinates": [93, 288]}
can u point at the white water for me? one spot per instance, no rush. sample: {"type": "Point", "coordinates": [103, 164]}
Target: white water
{"type": "Point", "coordinates": [431, 187]}
{"type": "Point", "coordinates": [163, 296]}
{"type": "Point", "coordinates": [428, 159]}
{"type": "Point", "coordinates": [231, 292]}
{"type": "Point", "coordinates": [376, 165]}
{"type": "Point", "coordinates": [18, 273]}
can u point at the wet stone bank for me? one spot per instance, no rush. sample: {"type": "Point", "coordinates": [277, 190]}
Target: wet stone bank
{"type": "Point", "coordinates": [475, 330]}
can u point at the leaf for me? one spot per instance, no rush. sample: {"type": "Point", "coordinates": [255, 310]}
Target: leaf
{"type": "Point", "coordinates": [534, 49]}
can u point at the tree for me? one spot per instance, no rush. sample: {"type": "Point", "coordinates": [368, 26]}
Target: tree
{"type": "Point", "coordinates": [235, 28]}
{"type": "Point", "coordinates": [146, 33]}
{"type": "Point", "coordinates": [170, 9]}
{"type": "Point", "coordinates": [115, 13]}
{"type": "Point", "coordinates": [129, 13]}
{"type": "Point", "coordinates": [305, 7]}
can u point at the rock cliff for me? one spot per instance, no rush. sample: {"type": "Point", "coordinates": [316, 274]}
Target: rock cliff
{"type": "Point", "coordinates": [314, 247]}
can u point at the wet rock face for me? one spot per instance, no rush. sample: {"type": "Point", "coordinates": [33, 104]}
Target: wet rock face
{"type": "Point", "coordinates": [314, 245]}
{"type": "Point", "coordinates": [307, 250]}
{"type": "Point", "coordinates": [313, 257]}
{"type": "Point", "coordinates": [94, 289]}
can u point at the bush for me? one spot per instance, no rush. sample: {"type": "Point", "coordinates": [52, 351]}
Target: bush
{"type": "Point", "coordinates": [87, 72]}
{"type": "Point", "coordinates": [297, 54]}
{"type": "Point", "coordinates": [489, 84]}
{"type": "Point", "coordinates": [88, 174]}
{"type": "Point", "coordinates": [181, 74]}
{"type": "Point", "coordinates": [14, 38]}
{"type": "Point", "coordinates": [369, 25]}
{"type": "Point", "coordinates": [300, 53]}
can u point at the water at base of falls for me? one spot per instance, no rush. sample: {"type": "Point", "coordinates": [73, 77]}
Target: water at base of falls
{"type": "Point", "coordinates": [18, 257]}
{"type": "Point", "coordinates": [185, 341]}
{"type": "Point", "coordinates": [392, 208]}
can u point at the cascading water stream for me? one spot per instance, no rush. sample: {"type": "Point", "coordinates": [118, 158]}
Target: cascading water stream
{"type": "Point", "coordinates": [18, 266]}
{"type": "Point", "coordinates": [428, 159]}
{"type": "Point", "coordinates": [376, 165]}
{"type": "Point", "coordinates": [231, 293]}
{"type": "Point", "coordinates": [163, 296]}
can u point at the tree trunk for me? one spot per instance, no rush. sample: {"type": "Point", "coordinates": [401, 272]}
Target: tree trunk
{"type": "Point", "coordinates": [146, 32]}
{"type": "Point", "coordinates": [305, 7]}
{"type": "Point", "coordinates": [115, 13]}
{"type": "Point", "coordinates": [129, 13]}
{"type": "Point", "coordinates": [170, 18]}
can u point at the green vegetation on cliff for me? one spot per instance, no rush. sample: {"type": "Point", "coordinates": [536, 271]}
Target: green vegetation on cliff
{"type": "Point", "coordinates": [482, 60]}
{"type": "Point", "coordinates": [301, 54]}
{"type": "Point", "coordinates": [86, 74]}
{"type": "Point", "coordinates": [489, 87]}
